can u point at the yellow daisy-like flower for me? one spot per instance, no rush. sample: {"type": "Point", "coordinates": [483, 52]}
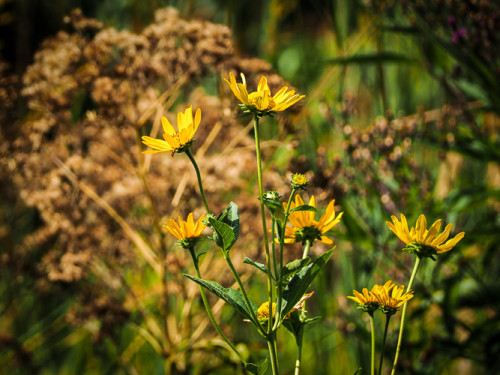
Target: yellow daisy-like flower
{"type": "Point", "coordinates": [263, 310]}
{"type": "Point", "coordinates": [261, 102]}
{"type": "Point", "coordinates": [187, 232]}
{"type": "Point", "coordinates": [366, 300]}
{"type": "Point", "coordinates": [391, 297]}
{"type": "Point", "coordinates": [426, 243]}
{"type": "Point", "coordinates": [305, 227]}
{"type": "Point", "coordinates": [175, 141]}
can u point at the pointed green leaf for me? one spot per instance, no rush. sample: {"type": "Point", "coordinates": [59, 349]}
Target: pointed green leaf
{"type": "Point", "coordinates": [258, 369]}
{"type": "Point", "coordinates": [304, 207]}
{"type": "Point", "coordinates": [299, 284]}
{"type": "Point", "coordinates": [290, 269]}
{"type": "Point", "coordinates": [231, 296]}
{"type": "Point", "coordinates": [231, 218]}
{"type": "Point", "coordinates": [257, 265]}
{"type": "Point", "coordinates": [223, 234]}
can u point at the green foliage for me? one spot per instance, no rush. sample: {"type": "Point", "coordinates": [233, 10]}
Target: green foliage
{"type": "Point", "coordinates": [226, 227]}
{"type": "Point", "coordinates": [301, 281]}
{"type": "Point", "coordinates": [231, 296]}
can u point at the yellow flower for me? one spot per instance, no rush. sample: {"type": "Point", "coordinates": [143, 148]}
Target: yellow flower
{"type": "Point", "coordinates": [391, 297]}
{"type": "Point", "coordinates": [366, 300]}
{"type": "Point", "coordinates": [305, 227]}
{"type": "Point", "coordinates": [263, 310]}
{"type": "Point", "coordinates": [175, 141]}
{"type": "Point", "coordinates": [187, 232]}
{"type": "Point", "coordinates": [424, 242]}
{"type": "Point", "coordinates": [261, 102]}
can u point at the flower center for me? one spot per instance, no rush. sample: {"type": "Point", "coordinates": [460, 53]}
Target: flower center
{"type": "Point", "coordinates": [261, 100]}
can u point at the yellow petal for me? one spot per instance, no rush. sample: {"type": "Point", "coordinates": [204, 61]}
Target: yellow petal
{"type": "Point", "coordinates": [167, 126]}
{"type": "Point", "coordinates": [197, 120]}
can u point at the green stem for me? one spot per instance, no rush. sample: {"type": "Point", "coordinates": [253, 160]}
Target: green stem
{"type": "Point", "coordinates": [387, 320]}
{"type": "Point", "coordinates": [263, 216]}
{"type": "Point", "coordinates": [271, 336]}
{"type": "Point", "coordinates": [273, 245]}
{"type": "Point", "coordinates": [306, 249]}
{"type": "Point", "coordinates": [298, 340]}
{"type": "Point", "coordinates": [198, 175]}
{"type": "Point", "coordinates": [282, 246]}
{"type": "Point", "coordinates": [209, 310]}
{"type": "Point", "coordinates": [403, 314]}
{"type": "Point", "coordinates": [255, 320]}
{"type": "Point", "coordinates": [271, 345]}
{"type": "Point", "coordinates": [372, 327]}
{"type": "Point", "coordinates": [300, 334]}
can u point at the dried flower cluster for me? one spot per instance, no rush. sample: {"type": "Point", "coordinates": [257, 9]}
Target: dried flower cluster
{"type": "Point", "coordinates": [77, 157]}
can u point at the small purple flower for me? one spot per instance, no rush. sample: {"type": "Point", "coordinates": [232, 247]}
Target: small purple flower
{"type": "Point", "coordinates": [451, 20]}
{"type": "Point", "coordinates": [458, 35]}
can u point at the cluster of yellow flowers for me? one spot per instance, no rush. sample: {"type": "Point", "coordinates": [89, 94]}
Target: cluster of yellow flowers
{"type": "Point", "coordinates": [388, 298]}
{"type": "Point", "coordinates": [423, 242]}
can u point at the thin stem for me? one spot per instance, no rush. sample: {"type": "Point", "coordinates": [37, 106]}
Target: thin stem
{"type": "Point", "coordinates": [209, 310]}
{"type": "Point", "coordinates": [282, 245]}
{"type": "Point", "coordinates": [403, 314]}
{"type": "Point", "coordinates": [306, 249]}
{"type": "Point", "coordinates": [263, 216]}
{"type": "Point", "coordinates": [387, 320]}
{"type": "Point", "coordinates": [255, 320]}
{"type": "Point", "coordinates": [198, 175]}
{"type": "Point", "coordinates": [372, 327]}
{"type": "Point", "coordinates": [273, 245]}
{"type": "Point", "coordinates": [271, 345]}
{"type": "Point", "coordinates": [300, 334]}
{"type": "Point", "coordinates": [298, 340]}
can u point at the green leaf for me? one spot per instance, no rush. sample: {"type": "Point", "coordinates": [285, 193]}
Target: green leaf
{"type": "Point", "coordinates": [231, 296]}
{"type": "Point", "coordinates": [304, 207]}
{"type": "Point", "coordinates": [257, 265]}
{"type": "Point", "coordinates": [230, 217]}
{"type": "Point", "coordinates": [299, 284]}
{"type": "Point", "coordinates": [223, 234]}
{"type": "Point", "coordinates": [259, 369]}
{"type": "Point", "coordinates": [290, 269]}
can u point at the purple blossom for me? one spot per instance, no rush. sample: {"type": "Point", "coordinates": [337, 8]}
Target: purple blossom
{"type": "Point", "coordinates": [458, 35]}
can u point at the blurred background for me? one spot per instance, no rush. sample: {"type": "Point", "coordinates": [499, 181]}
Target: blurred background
{"type": "Point", "coordinates": [401, 115]}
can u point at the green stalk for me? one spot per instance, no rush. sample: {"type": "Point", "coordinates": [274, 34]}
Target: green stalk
{"type": "Point", "coordinates": [282, 246]}
{"type": "Point", "coordinates": [298, 341]}
{"type": "Point", "coordinates": [403, 314]}
{"type": "Point", "coordinates": [387, 319]}
{"type": "Point", "coordinates": [255, 320]}
{"type": "Point", "coordinates": [209, 310]}
{"type": "Point", "coordinates": [372, 327]}
{"type": "Point", "coordinates": [273, 245]}
{"type": "Point", "coordinates": [273, 353]}
{"type": "Point", "coordinates": [198, 175]}
{"type": "Point", "coordinates": [306, 249]}
{"type": "Point", "coordinates": [263, 213]}
{"type": "Point", "coordinates": [271, 336]}
{"type": "Point", "coordinates": [300, 334]}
